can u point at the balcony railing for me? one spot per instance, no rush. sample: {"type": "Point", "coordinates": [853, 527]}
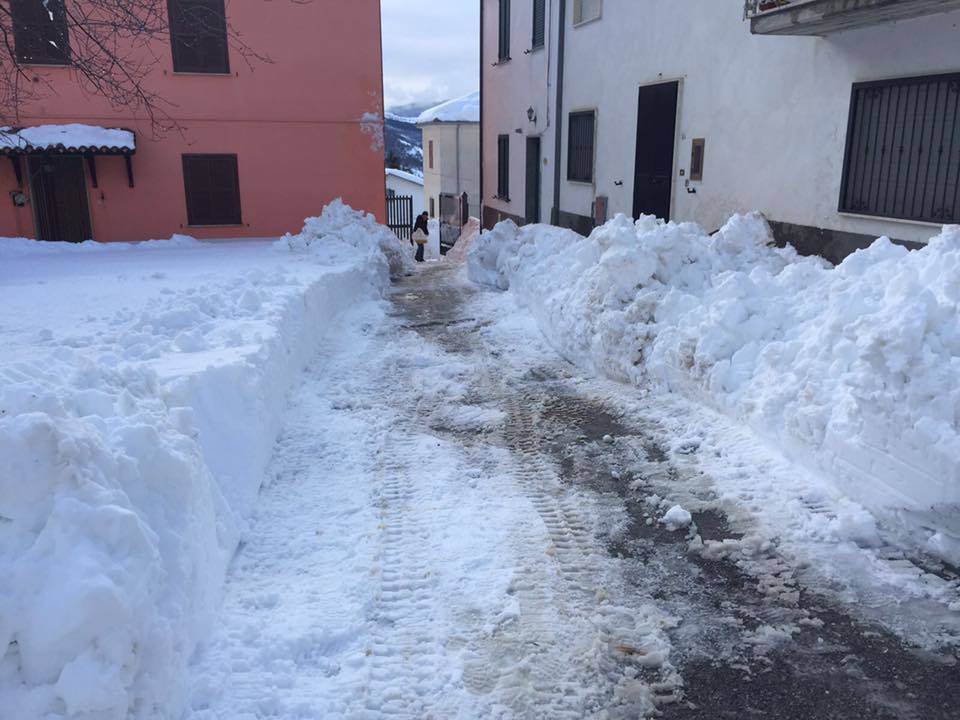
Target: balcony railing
{"type": "Point", "coordinates": [824, 17]}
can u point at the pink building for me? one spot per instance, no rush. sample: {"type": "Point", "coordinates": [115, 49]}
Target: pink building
{"type": "Point", "coordinates": [262, 147]}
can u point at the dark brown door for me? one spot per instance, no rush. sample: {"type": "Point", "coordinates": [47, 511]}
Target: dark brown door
{"type": "Point", "coordinates": [656, 136]}
{"type": "Point", "coordinates": [59, 191]}
{"type": "Point", "coordinates": [533, 180]}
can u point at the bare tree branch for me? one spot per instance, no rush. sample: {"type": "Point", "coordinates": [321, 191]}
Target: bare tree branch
{"type": "Point", "coordinates": [111, 47]}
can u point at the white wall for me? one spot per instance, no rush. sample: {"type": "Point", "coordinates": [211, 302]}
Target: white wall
{"type": "Point", "coordinates": [510, 90]}
{"type": "Point", "coordinates": [402, 186]}
{"type": "Point", "coordinates": [773, 110]}
{"type": "Point", "coordinates": [456, 166]}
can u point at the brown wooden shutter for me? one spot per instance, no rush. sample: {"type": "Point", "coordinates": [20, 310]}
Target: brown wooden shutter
{"type": "Point", "coordinates": [212, 186]}
{"type": "Point", "coordinates": [198, 36]}
{"type": "Point", "coordinates": [40, 32]}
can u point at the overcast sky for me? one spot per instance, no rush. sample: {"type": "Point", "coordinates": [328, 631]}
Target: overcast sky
{"type": "Point", "coordinates": [430, 50]}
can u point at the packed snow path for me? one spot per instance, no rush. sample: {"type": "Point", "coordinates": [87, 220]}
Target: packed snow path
{"type": "Point", "coordinates": [458, 525]}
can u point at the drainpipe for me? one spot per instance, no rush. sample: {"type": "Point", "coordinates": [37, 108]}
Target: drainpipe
{"type": "Point", "coordinates": [558, 152]}
{"type": "Point", "coordinates": [482, 96]}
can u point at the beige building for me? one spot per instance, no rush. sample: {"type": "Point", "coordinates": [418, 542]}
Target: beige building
{"type": "Point", "coordinates": [451, 152]}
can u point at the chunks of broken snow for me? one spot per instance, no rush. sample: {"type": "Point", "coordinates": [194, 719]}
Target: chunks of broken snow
{"type": "Point", "coordinates": [676, 518]}
{"type": "Point", "coordinates": [853, 370]}
{"type": "Point", "coordinates": [141, 390]}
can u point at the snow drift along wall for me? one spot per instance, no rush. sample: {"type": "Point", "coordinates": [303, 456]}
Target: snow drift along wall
{"type": "Point", "coordinates": [854, 369]}
{"type": "Point", "coordinates": [127, 476]}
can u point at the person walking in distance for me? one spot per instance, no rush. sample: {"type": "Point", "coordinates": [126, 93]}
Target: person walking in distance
{"type": "Point", "coordinates": [421, 233]}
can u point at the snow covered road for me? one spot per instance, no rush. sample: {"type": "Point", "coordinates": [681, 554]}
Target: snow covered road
{"type": "Point", "coordinates": [460, 525]}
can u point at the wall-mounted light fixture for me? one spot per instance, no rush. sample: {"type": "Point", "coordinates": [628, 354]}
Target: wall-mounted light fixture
{"type": "Point", "coordinates": [531, 115]}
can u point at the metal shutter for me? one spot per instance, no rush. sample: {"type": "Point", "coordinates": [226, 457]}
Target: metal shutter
{"type": "Point", "coordinates": [504, 48]}
{"type": "Point", "coordinates": [580, 146]}
{"type": "Point", "coordinates": [503, 166]}
{"type": "Point", "coordinates": [539, 23]}
{"type": "Point", "coordinates": [903, 150]}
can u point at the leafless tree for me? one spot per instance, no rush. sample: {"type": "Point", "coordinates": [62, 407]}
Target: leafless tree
{"type": "Point", "coordinates": [111, 47]}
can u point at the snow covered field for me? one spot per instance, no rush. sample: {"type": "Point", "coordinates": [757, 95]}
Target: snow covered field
{"type": "Point", "coordinates": [853, 370]}
{"type": "Point", "coordinates": [141, 391]}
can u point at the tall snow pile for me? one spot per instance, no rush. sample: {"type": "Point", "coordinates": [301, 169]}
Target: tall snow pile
{"type": "Point", "coordinates": [140, 397]}
{"type": "Point", "coordinates": [853, 370]}
{"type": "Point", "coordinates": [340, 223]}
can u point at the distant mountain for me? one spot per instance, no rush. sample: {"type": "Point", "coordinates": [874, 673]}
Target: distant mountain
{"type": "Point", "coordinates": [404, 141]}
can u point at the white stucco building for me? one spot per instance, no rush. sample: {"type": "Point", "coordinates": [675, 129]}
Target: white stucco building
{"type": "Point", "coordinates": [838, 119]}
{"type": "Point", "coordinates": [451, 152]}
{"type": "Point", "coordinates": [401, 183]}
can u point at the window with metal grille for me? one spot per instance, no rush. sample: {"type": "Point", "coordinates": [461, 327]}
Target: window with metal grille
{"type": "Point", "coordinates": [198, 36]}
{"type": "Point", "coordinates": [504, 45]}
{"type": "Point", "coordinates": [40, 32]}
{"type": "Point", "coordinates": [430, 154]}
{"type": "Point", "coordinates": [903, 150]}
{"type": "Point", "coordinates": [503, 166]}
{"type": "Point", "coordinates": [580, 146]}
{"type": "Point", "coordinates": [212, 185]}
{"type": "Point", "coordinates": [586, 10]}
{"type": "Point", "coordinates": [539, 23]}
{"type": "Point", "coordinates": [697, 150]}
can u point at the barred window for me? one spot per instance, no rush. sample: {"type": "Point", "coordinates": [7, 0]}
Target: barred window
{"type": "Point", "coordinates": [903, 150]}
{"type": "Point", "coordinates": [503, 50]}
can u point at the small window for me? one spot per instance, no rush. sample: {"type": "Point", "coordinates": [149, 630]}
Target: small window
{"type": "Point", "coordinates": [903, 150]}
{"type": "Point", "coordinates": [198, 36]}
{"type": "Point", "coordinates": [433, 208]}
{"type": "Point", "coordinates": [586, 10]}
{"type": "Point", "coordinates": [696, 159]}
{"type": "Point", "coordinates": [503, 52]}
{"type": "Point", "coordinates": [430, 153]}
{"type": "Point", "coordinates": [503, 167]}
{"type": "Point", "coordinates": [40, 32]}
{"type": "Point", "coordinates": [539, 23]}
{"type": "Point", "coordinates": [580, 146]}
{"type": "Point", "coordinates": [212, 185]}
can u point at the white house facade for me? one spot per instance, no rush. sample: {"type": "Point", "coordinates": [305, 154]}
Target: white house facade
{"type": "Point", "coordinates": [401, 183]}
{"type": "Point", "coordinates": [451, 152]}
{"type": "Point", "coordinates": [838, 119]}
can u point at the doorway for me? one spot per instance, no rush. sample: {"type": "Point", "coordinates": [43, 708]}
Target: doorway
{"type": "Point", "coordinates": [533, 180]}
{"type": "Point", "coordinates": [59, 192]}
{"type": "Point", "coordinates": [656, 138]}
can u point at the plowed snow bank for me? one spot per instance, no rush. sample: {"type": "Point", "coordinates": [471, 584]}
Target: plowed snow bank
{"type": "Point", "coordinates": [854, 369]}
{"type": "Point", "coordinates": [140, 397]}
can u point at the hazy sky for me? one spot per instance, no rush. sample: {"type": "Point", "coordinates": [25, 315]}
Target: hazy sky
{"type": "Point", "coordinates": [430, 49]}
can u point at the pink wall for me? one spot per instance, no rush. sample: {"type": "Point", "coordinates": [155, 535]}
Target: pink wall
{"type": "Point", "coordinates": [295, 125]}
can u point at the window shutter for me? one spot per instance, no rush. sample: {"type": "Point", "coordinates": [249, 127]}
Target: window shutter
{"type": "Point", "coordinates": [903, 150]}
{"type": "Point", "coordinates": [503, 166]}
{"type": "Point", "coordinates": [539, 23]}
{"type": "Point", "coordinates": [198, 36]}
{"type": "Point", "coordinates": [580, 146]}
{"type": "Point", "coordinates": [212, 186]}
{"type": "Point", "coordinates": [40, 32]}
{"type": "Point", "coordinates": [504, 47]}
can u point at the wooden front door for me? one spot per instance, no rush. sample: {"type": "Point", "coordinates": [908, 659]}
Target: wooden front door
{"type": "Point", "coordinates": [656, 137]}
{"type": "Point", "coordinates": [59, 194]}
{"type": "Point", "coordinates": [533, 180]}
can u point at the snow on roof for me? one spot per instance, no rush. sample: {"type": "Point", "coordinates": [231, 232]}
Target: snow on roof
{"type": "Point", "coordinates": [66, 137]}
{"type": "Point", "coordinates": [403, 175]}
{"type": "Point", "coordinates": [464, 109]}
{"type": "Point", "coordinates": [400, 118]}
